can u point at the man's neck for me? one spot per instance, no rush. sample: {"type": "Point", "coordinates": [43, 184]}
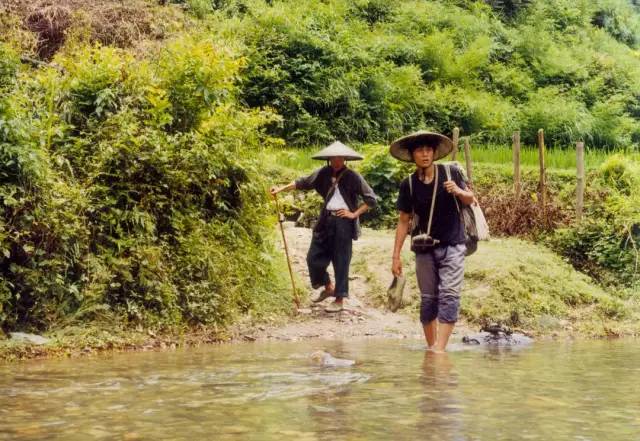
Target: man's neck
{"type": "Point", "coordinates": [427, 174]}
{"type": "Point", "coordinates": [337, 171]}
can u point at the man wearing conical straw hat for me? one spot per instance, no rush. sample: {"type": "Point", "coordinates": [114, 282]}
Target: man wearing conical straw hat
{"type": "Point", "coordinates": [346, 196]}
{"type": "Point", "coordinates": [428, 203]}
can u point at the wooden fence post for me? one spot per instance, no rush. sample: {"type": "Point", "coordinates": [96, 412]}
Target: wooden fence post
{"type": "Point", "coordinates": [580, 184]}
{"type": "Point", "coordinates": [516, 163]}
{"type": "Point", "coordinates": [543, 177]}
{"type": "Point", "coordinates": [455, 139]}
{"type": "Point", "coordinates": [467, 157]}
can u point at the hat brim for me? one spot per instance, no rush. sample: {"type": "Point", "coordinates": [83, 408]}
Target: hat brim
{"type": "Point", "coordinates": [338, 149]}
{"type": "Point", "coordinates": [401, 148]}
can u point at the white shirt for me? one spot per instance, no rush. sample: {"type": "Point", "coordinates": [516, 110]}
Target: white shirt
{"type": "Point", "coordinates": [337, 202]}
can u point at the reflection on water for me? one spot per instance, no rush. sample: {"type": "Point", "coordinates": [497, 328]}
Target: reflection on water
{"type": "Point", "coordinates": [271, 391]}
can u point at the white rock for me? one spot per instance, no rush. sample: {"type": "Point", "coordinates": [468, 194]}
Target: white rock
{"type": "Point", "coordinates": [29, 338]}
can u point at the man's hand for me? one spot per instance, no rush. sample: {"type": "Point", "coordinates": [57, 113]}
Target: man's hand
{"type": "Point", "coordinates": [396, 266]}
{"type": "Point", "coordinates": [347, 214]}
{"type": "Point", "coordinates": [452, 187]}
{"type": "Point", "coordinates": [274, 191]}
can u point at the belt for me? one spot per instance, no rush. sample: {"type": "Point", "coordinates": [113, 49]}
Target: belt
{"type": "Point", "coordinates": [332, 212]}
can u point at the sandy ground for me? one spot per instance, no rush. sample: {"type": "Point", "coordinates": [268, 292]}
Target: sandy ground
{"type": "Point", "coordinates": [365, 313]}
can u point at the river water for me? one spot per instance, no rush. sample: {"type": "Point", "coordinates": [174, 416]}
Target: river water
{"type": "Point", "coordinates": [271, 391]}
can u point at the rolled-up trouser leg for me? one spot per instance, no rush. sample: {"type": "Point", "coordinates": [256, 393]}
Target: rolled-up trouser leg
{"type": "Point", "coordinates": [427, 275]}
{"type": "Point", "coordinates": [342, 250]}
{"type": "Point", "coordinates": [450, 263]}
{"type": "Point", "coordinates": [440, 274]}
{"type": "Point", "coordinates": [318, 258]}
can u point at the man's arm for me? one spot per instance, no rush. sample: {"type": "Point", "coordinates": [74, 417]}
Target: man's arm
{"type": "Point", "coordinates": [304, 183]}
{"type": "Point", "coordinates": [369, 197]}
{"type": "Point", "coordinates": [461, 191]}
{"type": "Point", "coordinates": [275, 190]}
{"type": "Point", "coordinates": [353, 214]}
{"type": "Point", "coordinates": [404, 220]}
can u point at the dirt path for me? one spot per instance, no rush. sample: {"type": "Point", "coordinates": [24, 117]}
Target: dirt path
{"type": "Point", "coordinates": [365, 313]}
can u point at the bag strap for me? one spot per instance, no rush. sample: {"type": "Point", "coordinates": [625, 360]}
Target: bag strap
{"type": "Point", "coordinates": [433, 198]}
{"type": "Point", "coordinates": [447, 170]}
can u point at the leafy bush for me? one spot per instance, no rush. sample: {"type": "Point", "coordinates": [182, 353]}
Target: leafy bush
{"type": "Point", "coordinates": [563, 119]}
{"type": "Point", "coordinates": [606, 244]}
{"type": "Point", "coordinates": [384, 174]}
{"type": "Point", "coordinates": [141, 202]}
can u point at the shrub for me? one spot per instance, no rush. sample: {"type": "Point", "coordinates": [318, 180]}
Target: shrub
{"type": "Point", "coordinates": [563, 119]}
{"type": "Point", "coordinates": [146, 208]}
{"type": "Point", "coordinates": [607, 243]}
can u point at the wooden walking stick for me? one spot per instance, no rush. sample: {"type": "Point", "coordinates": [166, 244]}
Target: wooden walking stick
{"type": "Point", "coordinates": [286, 252]}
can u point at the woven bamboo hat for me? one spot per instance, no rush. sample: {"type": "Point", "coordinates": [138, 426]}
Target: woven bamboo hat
{"type": "Point", "coordinates": [338, 149]}
{"type": "Point", "coordinates": [401, 148]}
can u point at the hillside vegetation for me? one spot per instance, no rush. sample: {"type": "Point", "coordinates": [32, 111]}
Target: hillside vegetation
{"type": "Point", "coordinates": [134, 135]}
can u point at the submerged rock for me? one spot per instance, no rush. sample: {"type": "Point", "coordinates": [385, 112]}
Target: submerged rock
{"type": "Point", "coordinates": [324, 359]}
{"type": "Point", "coordinates": [29, 338]}
{"type": "Point", "coordinates": [497, 335]}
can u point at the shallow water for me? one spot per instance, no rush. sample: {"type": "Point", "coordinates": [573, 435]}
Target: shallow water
{"type": "Point", "coordinates": [271, 391]}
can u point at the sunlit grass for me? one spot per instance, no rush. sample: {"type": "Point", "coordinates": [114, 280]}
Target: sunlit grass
{"type": "Point", "coordinates": [293, 158]}
{"type": "Point", "coordinates": [554, 157]}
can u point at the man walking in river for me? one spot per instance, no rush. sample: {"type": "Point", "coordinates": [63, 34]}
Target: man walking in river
{"type": "Point", "coordinates": [338, 224]}
{"type": "Point", "coordinates": [428, 206]}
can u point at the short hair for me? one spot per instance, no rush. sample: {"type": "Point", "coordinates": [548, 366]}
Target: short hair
{"type": "Point", "coordinates": [417, 143]}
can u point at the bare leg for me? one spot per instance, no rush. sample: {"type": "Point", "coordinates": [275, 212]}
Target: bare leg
{"type": "Point", "coordinates": [430, 332]}
{"type": "Point", "coordinates": [444, 332]}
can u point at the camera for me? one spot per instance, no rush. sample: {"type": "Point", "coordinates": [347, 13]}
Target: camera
{"type": "Point", "coordinates": [423, 242]}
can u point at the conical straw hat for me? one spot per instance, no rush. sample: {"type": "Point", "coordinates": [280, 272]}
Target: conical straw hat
{"type": "Point", "coordinates": [338, 149]}
{"type": "Point", "coordinates": [401, 148]}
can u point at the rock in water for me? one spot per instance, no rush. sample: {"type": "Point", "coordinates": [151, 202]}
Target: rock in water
{"type": "Point", "coordinates": [500, 339]}
{"type": "Point", "coordinates": [324, 359]}
{"type": "Point", "coordinates": [29, 338]}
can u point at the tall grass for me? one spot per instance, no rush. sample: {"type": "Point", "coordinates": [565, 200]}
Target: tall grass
{"type": "Point", "coordinates": [300, 158]}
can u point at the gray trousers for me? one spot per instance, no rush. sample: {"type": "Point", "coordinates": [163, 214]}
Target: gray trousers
{"type": "Point", "coordinates": [440, 273]}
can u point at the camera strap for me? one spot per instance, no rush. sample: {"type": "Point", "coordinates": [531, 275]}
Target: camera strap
{"type": "Point", "coordinates": [433, 198]}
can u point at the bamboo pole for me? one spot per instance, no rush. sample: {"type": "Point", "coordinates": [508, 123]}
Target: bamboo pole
{"type": "Point", "coordinates": [580, 183]}
{"type": "Point", "coordinates": [286, 251]}
{"type": "Point", "coordinates": [467, 158]}
{"type": "Point", "coordinates": [516, 163]}
{"type": "Point", "coordinates": [543, 175]}
{"type": "Point", "coordinates": [455, 139]}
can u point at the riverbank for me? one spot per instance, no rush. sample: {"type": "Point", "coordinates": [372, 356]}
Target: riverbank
{"type": "Point", "coordinates": [508, 280]}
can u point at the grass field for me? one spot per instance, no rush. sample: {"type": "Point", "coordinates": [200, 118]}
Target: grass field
{"type": "Point", "coordinates": [562, 159]}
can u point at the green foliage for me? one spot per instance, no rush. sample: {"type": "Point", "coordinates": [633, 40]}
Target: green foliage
{"type": "Point", "coordinates": [384, 174]}
{"type": "Point", "coordinates": [509, 8]}
{"type": "Point", "coordinates": [8, 66]}
{"type": "Point", "coordinates": [620, 19]}
{"type": "Point", "coordinates": [128, 192]}
{"type": "Point", "coordinates": [563, 119]}
{"type": "Point", "coordinates": [369, 71]}
{"type": "Point", "coordinates": [607, 243]}
{"type": "Point", "coordinates": [372, 11]}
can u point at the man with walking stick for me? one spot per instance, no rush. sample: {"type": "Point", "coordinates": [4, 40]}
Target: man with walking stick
{"type": "Point", "coordinates": [338, 223]}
